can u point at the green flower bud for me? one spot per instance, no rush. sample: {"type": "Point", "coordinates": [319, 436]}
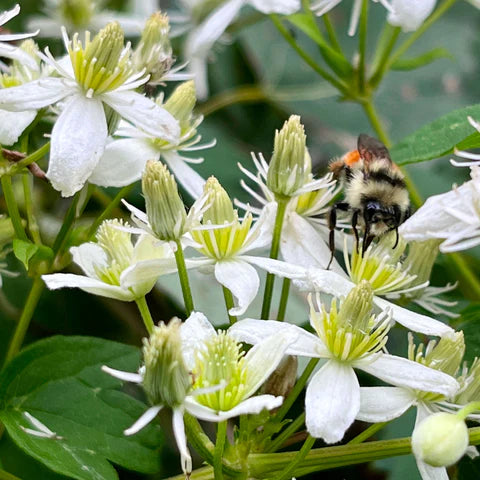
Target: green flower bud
{"type": "Point", "coordinates": [165, 209]}
{"type": "Point", "coordinates": [166, 380]}
{"type": "Point", "coordinates": [181, 104]}
{"type": "Point", "coordinates": [440, 440]}
{"type": "Point", "coordinates": [154, 52]}
{"type": "Point", "coordinates": [221, 209]}
{"type": "Point", "coordinates": [356, 309]}
{"type": "Point", "coordinates": [77, 13]}
{"type": "Point", "coordinates": [290, 165]}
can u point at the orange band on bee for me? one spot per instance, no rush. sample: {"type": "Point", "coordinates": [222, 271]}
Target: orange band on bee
{"type": "Point", "coordinates": [351, 158]}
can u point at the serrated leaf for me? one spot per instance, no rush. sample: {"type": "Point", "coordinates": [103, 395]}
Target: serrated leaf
{"type": "Point", "coordinates": [60, 382]}
{"type": "Point", "coordinates": [24, 250]}
{"type": "Point", "coordinates": [421, 60]}
{"type": "Point", "coordinates": [438, 138]}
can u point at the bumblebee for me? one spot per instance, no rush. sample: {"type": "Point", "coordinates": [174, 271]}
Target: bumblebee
{"type": "Point", "coordinates": [374, 192]}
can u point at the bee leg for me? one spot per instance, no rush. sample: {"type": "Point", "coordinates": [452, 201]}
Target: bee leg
{"type": "Point", "coordinates": [354, 227]}
{"type": "Point", "coordinates": [396, 239]}
{"type": "Point", "coordinates": [332, 221]}
{"type": "Point", "coordinates": [367, 238]}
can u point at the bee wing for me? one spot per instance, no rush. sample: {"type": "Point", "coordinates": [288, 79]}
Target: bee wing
{"type": "Point", "coordinates": [370, 148]}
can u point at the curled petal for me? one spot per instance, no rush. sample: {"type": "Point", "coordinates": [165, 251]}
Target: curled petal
{"type": "Point", "coordinates": [410, 14]}
{"type": "Point", "coordinates": [125, 376]}
{"type": "Point", "coordinates": [89, 256]}
{"type": "Point", "coordinates": [144, 420]}
{"type": "Point", "coordinates": [181, 439]}
{"type": "Point", "coordinates": [12, 125]}
{"type": "Point", "coordinates": [195, 331]}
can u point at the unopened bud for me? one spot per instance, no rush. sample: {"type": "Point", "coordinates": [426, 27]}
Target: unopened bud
{"type": "Point", "coordinates": [166, 380]}
{"type": "Point", "coordinates": [77, 13]}
{"type": "Point", "coordinates": [290, 165]}
{"type": "Point", "coordinates": [221, 209]}
{"type": "Point", "coordinates": [181, 103]}
{"type": "Point", "coordinates": [356, 309]}
{"type": "Point", "coordinates": [440, 440]}
{"type": "Point", "coordinates": [165, 209]}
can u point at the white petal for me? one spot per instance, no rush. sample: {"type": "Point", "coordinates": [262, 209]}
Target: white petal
{"type": "Point", "coordinates": [255, 331]}
{"type": "Point", "coordinates": [410, 14]}
{"type": "Point", "coordinates": [260, 234]}
{"type": "Point", "coordinates": [263, 359]}
{"type": "Point", "coordinates": [15, 53]}
{"type": "Point", "coordinates": [319, 280]}
{"type": "Point", "coordinates": [186, 176]}
{"type": "Point", "coordinates": [78, 140]}
{"type": "Point", "coordinates": [332, 401]}
{"type": "Point", "coordinates": [241, 279]}
{"type": "Point", "coordinates": [283, 7]}
{"type": "Point", "coordinates": [7, 15]}
{"type": "Point", "coordinates": [90, 285]}
{"type": "Point", "coordinates": [148, 247]}
{"type": "Point", "coordinates": [197, 67]}
{"type": "Point", "coordinates": [144, 114]}
{"type": "Point", "coordinates": [125, 376]}
{"type": "Point", "coordinates": [413, 321]}
{"type": "Point", "coordinates": [89, 256]}
{"type": "Point", "coordinates": [195, 331]}
{"type": "Point", "coordinates": [122, 162]}
{"type": "Point", "coordinates": [251, 405]}
{"type": "Point", "coordinates": [181, 439]}
{"type": "Point", "coordinates": [381, 404]}
{"type": "Point", "coordinates": [12, 125]}
{"type": "Point", "coordinates": [147, 271]}
{"type": "Point", "coordinates": [277, 267]}
{"type": "Point", "coordinates": [406, 373]}
{"type": "Point", "coordinates": [34, 95]}
{"type": "Point", "coordinates": [144, 420]}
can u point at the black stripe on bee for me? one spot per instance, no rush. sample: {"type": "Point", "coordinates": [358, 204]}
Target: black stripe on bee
{"type": "Point", "coordinates": [383, 177]}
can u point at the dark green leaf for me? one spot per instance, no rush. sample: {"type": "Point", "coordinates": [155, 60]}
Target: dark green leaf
{"type": "Point", "coordinates": [60, 382]}
{"type": "Point", "coordinates": [421, 60]}
{"type": "Point", "coordinates": [438, 138]}
{"type": "Point", "coordinates": [24, 250]}
{"type": "Point", "coordinates": [470, 324]}
{"type": "Point", "coordinates": [468, 469]}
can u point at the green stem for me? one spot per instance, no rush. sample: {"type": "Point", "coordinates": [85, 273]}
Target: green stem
{"type": "Point", "coordinates": [7, 476]}
{"type": "Point", "coordinates": [301, 454]}
{"type": "Point", "coordinates": [282, 307]}
{"type": "Point", "coordinates": [332, 34]}
{"type": "Point", "coordinates": [287, 433]}
{"type": "Point", "coordinates": [362, 46]}
{"type": "Point", "coordinates": [145, 313]}
{"type": "Point", "coordinates": [12, 208]}
{"type": "Point", "coordinates": [367, 433]}
{"type": "Point", "coordinates": [182, 273]}
{"type": "Point", "coordinates": [33, 157]}
{"type": "Point", "coordinates": [229, 303]}
{"type": "Point", "coordinates": [123, 192]}
{"type": "Point", "coordinates": [219, 447]}
{"type": "Point", "coordinates": [340, 85]}
{"type": "Point", "coordinates": [468, 409]}
{"type": "Point", "coordinates": [24, 321]}
{"type": "Point", "coordinates": [274, 250]}
{"type": "Point", "coordinates": [32, 222]}
{"type": "Point", "coordinates": [469, 277]}
{"type": "Point", "coordinates": [385, 46]}
{"type": "Point", "coordinates": [297, 389]}
{"type": "Point", "coordinates": [68, 222]}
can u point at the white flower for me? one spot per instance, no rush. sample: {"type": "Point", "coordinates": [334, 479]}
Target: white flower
{"type": "Point", "coordinates": [410, 14]}
{"type": "Point", "coordinates": [210, 27]}
{"type": "Point", "coordinates": [324, 6]}
{"type": "Point", "coordinates": [124, 159]}
{"type": "Point", "coordinates": [473, 157]}
{"type": "Point", "coordinates": [225, 379]}
{"type": "Point", "coordinates": [349, 338]}
{"type": "Point", "coordinates": [106, 263]}
{"type": "Point", "coordinates": [453, 216]}
{"type": "Point", "coordinates": [88, 86]}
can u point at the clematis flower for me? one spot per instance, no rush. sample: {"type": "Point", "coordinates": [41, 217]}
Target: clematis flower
{"type": "Point", "coordinates": [225, 379]}
{"type": "Point", "coordinates": [349, 337]}
{"type": "Point", "coordinates": [101, 78]}
{"type": "Point", "coordinates": [224, 242]}
{"type": "Point", "coordinates": [124, 159]}
{"type": "Point", "coordinates": [453, 216]}
{"type": "Point", "coordinates": [381, 404]}
{"type": "Point", "coordinates": [210, 25]}
{"type": "Point", "coordinates": [106, 262]}
{"type": "Point", "coordinates": [410, 14]}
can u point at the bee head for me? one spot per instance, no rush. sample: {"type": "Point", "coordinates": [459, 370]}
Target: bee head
{"type": "Point", "coordinates": [381, 218]}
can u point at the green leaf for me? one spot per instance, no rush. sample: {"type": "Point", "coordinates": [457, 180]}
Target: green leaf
{"type": "Point", "coordinates": [306, 23]}
{"type": "Point", "coordinates": [470, 324]}
{"type": "Point", "coordinates": [60, 382]}
{"type": "Point", "coordinates": [24, 250]}
{"type": "Point", "coordinates": [421, 60]}
{"type": "Point", "coordinates": [439, 138]}
{"type": "Point", "coordinates": [468, 469]}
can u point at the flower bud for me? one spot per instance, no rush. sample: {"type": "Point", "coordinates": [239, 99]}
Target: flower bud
{"type": "Point", "coordinates": [165, 209]}
{"type": "Point", "coordinates": [181, 103]}
{"type": "Point", "coordinates": [356, 309]}
{"type": "Point", "coordinates": [440, 440]}
{"type": "Point", "coordinates": [154, 52]}
{"type": "Point", "coordinates": [77, 13]}
{"type": "Point", "coordinates": [166, 380]}
{"type": "Point", "coordinates": [221, 209]}
{"type": "Point", "coordinates": [290, 165]}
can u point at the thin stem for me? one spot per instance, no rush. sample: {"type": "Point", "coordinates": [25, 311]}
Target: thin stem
{"type": "Point", "coordinates": [145, 313]}
{"type": "Point", "coordinates": [282, 307]}
{"type": "Point", "coordinates": [367, 433]}
{"type": "Point", "coordinates": [123, 192]}
{"type": "Point", "coordinates": [385, 46]}
{"type": "Point", "coordinates": [12, 208]}
{"type": "Point", "coordinates": [33, 157]}
{"type": "Point", "coordinates": [24, 321]}
{"type": "Point", "coordinates": [219, 447]}
{"type": "Point", "coordinates": [301, 454]}
{"type": "Point", "coordinates": [297, 389]}
{"type": "Point", "coordinates": [68, 222]}
{"type": "Point", "coordinates": [32, 222]}
{"type": "Point", "coordinates": [287, 433]}
{"type": "Point", "coordinates": [229, 303]}
{"type": "Point", "coordinates": [274, 250]}
{"type": "Point", "coordinates": [341, 86]}
{"type": "Point", "coordinates": [182, 273]}
{"type": "Point", "coordinates": [332, 34]}
{"type": "Point", "coordinates": [362, 46]}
